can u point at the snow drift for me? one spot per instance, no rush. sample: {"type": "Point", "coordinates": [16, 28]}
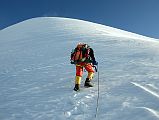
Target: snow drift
{"type": "Point", "coordinates": [37, 80]}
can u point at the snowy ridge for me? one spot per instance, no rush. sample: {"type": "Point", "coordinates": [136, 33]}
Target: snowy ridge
{"type": "Point", "coordinates": [146, 89]}
{"type": "Point", "coordinates": [155, 113]}
{"type": "Point", "coordinates": [37, 79]}
{"type": "Point", "coordinates": [104, 30]}
{"type": "Point", "coordinates": [150, 91]}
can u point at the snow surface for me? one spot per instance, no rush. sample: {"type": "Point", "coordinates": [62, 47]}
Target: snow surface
{"type": "Point", "coordinates": [37, 80]}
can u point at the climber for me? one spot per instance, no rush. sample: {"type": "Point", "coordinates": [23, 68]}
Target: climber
{"type": "Point", "coordinates": [83, 57]}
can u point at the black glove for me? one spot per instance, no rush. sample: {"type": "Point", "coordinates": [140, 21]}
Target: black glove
{"type": "Point", "coordinates": [95, 62]}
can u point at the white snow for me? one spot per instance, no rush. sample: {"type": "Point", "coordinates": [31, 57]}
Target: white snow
{"type": "Point", "coordinates": [146, 89]}
{"type": "Point", "coordinates": [37, 80]}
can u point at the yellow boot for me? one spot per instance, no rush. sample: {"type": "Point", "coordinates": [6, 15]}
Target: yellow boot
{"type": "Point", "coordinates": [88, 80]}
{"type": "Point", "coordinates": [77, 83]}
{"type": "Point", "coordinates": [90, 75]}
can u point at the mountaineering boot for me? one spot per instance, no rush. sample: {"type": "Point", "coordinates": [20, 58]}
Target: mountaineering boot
{"type": "Point", "coordinates": [88, 83]}
{"type": "Point", "coordinates": [76, 88]}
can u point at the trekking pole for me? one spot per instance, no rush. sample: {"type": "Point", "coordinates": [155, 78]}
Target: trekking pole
{"type": "Point", "coordinates": [97, 107]}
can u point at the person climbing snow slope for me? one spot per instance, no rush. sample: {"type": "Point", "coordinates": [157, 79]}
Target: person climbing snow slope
{"type": "Point", "coordinates": [83, 57]}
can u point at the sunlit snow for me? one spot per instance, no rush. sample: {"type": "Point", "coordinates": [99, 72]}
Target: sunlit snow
{"type": "Point", "coordinates": [37, 79]}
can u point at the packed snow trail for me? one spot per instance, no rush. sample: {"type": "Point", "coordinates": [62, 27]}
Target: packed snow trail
{"type": "Point", "coordinates": [37, 79]}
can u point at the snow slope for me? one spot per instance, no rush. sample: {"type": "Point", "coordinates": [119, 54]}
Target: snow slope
{"type": "Point", "coordinates": [36, 78]}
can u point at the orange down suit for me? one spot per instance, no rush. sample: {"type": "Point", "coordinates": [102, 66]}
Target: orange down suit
{"type": "Point", "coordinates": [79, 71]}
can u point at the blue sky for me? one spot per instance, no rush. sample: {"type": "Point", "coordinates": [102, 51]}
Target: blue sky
{"type": "Point", "coordinates": [138, 16]}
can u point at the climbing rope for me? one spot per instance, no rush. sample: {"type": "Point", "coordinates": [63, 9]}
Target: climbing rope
{"type": "Point", "coordinates": [97, 106]}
